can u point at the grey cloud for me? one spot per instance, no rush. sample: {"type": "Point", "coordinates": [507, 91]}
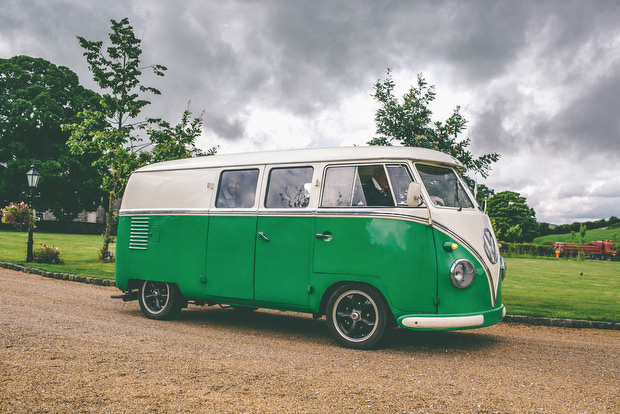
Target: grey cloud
{"type": "Point", "coordinates": [488, 132]}
{"type": "Point", "coordinates": [229, 128]}
{"type": "Point", "coordinates": [591, 123]}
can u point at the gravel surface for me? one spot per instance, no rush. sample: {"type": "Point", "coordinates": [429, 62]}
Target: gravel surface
{"type": "Point", "coordinates": [67, 347]}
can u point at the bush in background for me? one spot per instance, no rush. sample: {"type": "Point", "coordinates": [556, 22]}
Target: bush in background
{"type": "Point", "coordinates": [48, 254]}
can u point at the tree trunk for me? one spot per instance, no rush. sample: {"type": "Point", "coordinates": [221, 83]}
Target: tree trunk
{"type": "Point", "coordinates": [109, 219]}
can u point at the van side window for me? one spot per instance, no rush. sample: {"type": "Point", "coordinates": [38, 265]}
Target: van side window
{"type": "Point", "coordinates": [289, 187]}
{"type": "Point", "coordinates": [237, 189]}
{"type": "Point", "coordinates": [342, 188]}
{"type": "Point", "coordinates": [364, 185]}
{"type": "Point", "coordinates": [400, 179]}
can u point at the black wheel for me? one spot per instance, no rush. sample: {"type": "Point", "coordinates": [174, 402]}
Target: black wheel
{"type": "Point", "coordinates": [160, 300]}
{"type": "Point", "coordinates": [357, 316]}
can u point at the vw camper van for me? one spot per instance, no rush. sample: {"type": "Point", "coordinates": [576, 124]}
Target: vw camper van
{"type": "Point", "coordinates": [369, 237]}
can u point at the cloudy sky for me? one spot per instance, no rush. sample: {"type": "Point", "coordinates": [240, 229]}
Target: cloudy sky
{"type": "Point", "coordinates": [538, 81]}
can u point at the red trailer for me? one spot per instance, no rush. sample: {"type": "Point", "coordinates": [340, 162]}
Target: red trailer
{"type": "Point", "coordinates": [599, 249]}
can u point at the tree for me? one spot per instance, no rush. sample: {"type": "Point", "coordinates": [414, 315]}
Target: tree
{"type": "Point", "coordinates": [514, 233]}
{"type": "Point", "coordinates": [409, 123]}
{"type": "Point", "coordinates": [36, 97]}
{"type": "Point", "coordinates": [178, 142]}
{"type": "Point", "coordinates": [111, 131]}
{"type": "Point", "coordinates": [508, 209]}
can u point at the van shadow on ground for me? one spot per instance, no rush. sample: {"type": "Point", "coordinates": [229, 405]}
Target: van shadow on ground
{"type": "Point", "coordinates": [303, 328]}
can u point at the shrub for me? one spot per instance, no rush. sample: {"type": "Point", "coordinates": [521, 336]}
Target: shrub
{"type": "Point", "coordinates": [19, 216]}
{"type": "Point", "coordinates": [48, 254]}
{"type": "Point", "coordinates": [526, 249]}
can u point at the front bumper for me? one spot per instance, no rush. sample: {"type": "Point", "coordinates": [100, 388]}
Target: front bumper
{"type": "Point", "coordinates": [432, 322]}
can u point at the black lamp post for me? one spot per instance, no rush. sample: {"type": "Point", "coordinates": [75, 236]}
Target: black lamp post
{"type": "Point", "coordinates": [33, 181]}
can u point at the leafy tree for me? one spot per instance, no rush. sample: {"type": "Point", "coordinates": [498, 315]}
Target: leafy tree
{"type": "Point", "coordinates": [514, 233]}
{"type": "Point", "coordinates": [582, 233]}
{"type": "Point", "coordinates": [36, 97]}
{"type": "Point", "coordinates": [177, 142]}
{"type": "Point", "coordinates": [111, 131]}
{"type": "Point", "coordinates": [409, 124]}
{"type": "Point", "coordinates": [508, 209]}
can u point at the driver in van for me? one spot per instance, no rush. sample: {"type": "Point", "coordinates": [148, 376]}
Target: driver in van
{"type": "Point", "coordinates": [230, 195]}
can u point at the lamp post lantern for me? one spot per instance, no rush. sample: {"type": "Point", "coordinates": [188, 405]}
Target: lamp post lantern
{"type": "Point", "coordinates": [33, 180]}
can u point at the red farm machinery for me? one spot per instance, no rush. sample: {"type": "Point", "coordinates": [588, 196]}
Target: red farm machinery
{"type": "Point", "coordinates": [599, 249]}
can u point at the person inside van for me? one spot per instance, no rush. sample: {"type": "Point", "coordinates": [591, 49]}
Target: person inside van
{"type": "Point", "coordinates": [376, 187]}
{"type": "Point", "coordinates": [230, 195]}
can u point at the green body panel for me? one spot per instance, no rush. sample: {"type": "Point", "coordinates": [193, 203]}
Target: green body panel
{"type": "Point", "coordinates": [282, 270]}
{"type": "Point", "coordinates": [174, 252]}
{"type": "Point", "coordinates": [222, 258]}
{"type": "Point", "coordinates": [230, 257]}
{"type": "Point", "coordinates": [399, 254]}
{"type": "Point", "coordinates": [452, 300]}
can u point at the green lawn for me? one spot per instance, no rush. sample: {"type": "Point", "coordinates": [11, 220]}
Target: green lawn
{"type": "Point", "coordinates": [79, 252]}
{"type": "Point", "coordinates": [563, 288]}
{"type": "Point", "coordinates": [559, 288]}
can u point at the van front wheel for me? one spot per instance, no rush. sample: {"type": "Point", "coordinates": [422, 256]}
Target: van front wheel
{"type": "Point", "coordinates": [159, 300]}
{"type": "Point", "coordinates": [357, 316]}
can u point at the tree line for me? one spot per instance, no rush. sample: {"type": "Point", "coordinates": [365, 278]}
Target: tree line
{"type": "Point", "coordinates": [546, 228]}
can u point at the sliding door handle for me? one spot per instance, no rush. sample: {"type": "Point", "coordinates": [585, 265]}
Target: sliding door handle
{"type": "Point", "coordinates": [327, 236]}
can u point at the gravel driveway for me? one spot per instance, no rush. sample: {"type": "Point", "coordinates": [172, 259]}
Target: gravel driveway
{"type": "Point", "coordinates": [67, 347]}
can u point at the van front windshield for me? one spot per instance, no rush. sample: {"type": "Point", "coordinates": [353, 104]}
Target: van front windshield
{"type": "Point", "coordinates": [443, 187]}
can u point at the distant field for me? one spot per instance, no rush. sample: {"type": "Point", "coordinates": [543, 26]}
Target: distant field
{"type": "Point", "coordinates": [595, 234]}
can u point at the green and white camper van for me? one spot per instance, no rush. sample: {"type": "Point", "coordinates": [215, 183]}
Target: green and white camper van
{"type": "Point", "coordinates": [370, 237]}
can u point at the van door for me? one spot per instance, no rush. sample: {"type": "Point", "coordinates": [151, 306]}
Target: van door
{"type": "Point", "coordinates": [387, 244]}
{"type": "Point", "coordinates": [232, 236]}
{"type": "Point", "coordinates": [284, 238]}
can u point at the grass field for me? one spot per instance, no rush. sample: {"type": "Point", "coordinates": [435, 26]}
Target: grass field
{"type": "Point", "coordinates": [79, 252]}
{"type": "Point", "coordinates": [559, 288]}
{"type": "Point", "coordinates": [563, 288]}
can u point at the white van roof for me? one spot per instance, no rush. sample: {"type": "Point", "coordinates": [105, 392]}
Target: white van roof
{"type": "Point", "coordinates": [306, 155]}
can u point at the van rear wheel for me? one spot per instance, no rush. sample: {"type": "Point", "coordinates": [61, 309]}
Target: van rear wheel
{"type": "Point", "coordinates": [160, 300]}
{"type": "Point", "coordinates": [357, 316]}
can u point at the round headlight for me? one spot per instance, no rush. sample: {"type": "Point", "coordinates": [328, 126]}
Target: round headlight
{"type": "Point", "coordinates": [462, 273]}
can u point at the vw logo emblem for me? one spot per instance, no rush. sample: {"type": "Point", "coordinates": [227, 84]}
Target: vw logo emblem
{"type": "Point", "coordinates": [490, 246]}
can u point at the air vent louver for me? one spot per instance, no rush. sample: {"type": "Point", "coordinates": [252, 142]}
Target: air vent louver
{"type": "Point", "coordinates": [139, 234]}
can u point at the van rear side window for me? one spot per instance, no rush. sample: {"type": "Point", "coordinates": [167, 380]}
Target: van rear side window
{"type": "Point", "coordinates": [237, 189]}
{"type": "Point", "coordinates": [289, 187]}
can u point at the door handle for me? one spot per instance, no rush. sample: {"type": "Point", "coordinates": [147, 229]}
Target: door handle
{"type": "Point", "coordinates": [260, 233]}
{"type": "Point", "coordinates": [327, 236]}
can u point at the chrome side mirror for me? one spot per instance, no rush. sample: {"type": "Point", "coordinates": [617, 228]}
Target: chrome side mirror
{"type": "Point", "coordinates": [414, 194]}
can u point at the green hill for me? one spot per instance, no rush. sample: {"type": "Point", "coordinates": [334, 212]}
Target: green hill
{"type": "Point", "coordinates": [604, 233]}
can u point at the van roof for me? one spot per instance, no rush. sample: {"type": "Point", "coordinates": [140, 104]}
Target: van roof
{"type": "Point", "coordinates": [334, 154]}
